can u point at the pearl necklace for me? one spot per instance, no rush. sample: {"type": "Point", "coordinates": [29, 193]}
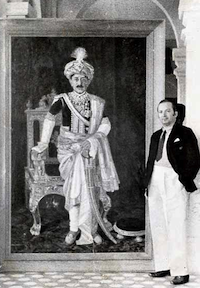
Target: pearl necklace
{"type": "Point", "coordinates": [81, 102]}
{"type": "Point", "coordinates": [78, 98]}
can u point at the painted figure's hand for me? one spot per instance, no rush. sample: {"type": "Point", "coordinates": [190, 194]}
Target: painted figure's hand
{"type": "Point", "coordinates": [40, 147]}
{"type": "Point", "coordinates": [85, 149]}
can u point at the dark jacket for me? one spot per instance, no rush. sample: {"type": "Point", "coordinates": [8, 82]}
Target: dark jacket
{"type": "Point", "coordinates": [183, 154]}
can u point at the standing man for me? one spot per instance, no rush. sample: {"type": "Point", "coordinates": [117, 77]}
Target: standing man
{"type": "Point", "coordinates": [173, 163]}
{"type": "Point", "coordinates": [86, 163]}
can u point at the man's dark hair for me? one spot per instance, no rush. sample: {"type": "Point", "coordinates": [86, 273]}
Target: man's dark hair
{"type": "Point", "coordinates": [174, 105]}
{"type": "Point", "coordinates": [181, 113]}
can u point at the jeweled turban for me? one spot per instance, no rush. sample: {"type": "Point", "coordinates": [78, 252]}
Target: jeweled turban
{"type": "Point", "coordinates": [79, 66]}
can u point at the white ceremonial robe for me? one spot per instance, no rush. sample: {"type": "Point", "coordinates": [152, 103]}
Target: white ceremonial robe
{"type": "Point", "coordinates": [73, 169]}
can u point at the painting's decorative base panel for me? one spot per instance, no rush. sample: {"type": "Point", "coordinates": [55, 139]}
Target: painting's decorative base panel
{"type": "Point", "coordinates": [88, 280]}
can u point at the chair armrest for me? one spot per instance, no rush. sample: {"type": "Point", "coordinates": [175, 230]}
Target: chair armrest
{"type": "Point", "coordinates": [38, 157]}
{"type": "Point", "coordinates": [39, 148]}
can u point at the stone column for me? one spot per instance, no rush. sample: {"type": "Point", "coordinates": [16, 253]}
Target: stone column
{"type": "Point", "coordinates": [179, 57]}
{"type": "Point", "coordinates": [191, 36]}
{"type": "Point", "coordinates": [189, 12]}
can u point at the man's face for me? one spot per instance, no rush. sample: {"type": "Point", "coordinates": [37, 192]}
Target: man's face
{"type": "Point", "coordinates": [166, 114]}
{"type": "Point", "coordinates": [79, 83]}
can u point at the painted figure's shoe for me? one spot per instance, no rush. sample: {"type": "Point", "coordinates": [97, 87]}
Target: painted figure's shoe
{"type": "Point", "coordinates": [160, 273]}
{"type": "Point", "coordinates": [97, 239]}
{"type": "Point", "coordinates": [178, 280]}
{"type": "Point", "coordinates": [71, 237]}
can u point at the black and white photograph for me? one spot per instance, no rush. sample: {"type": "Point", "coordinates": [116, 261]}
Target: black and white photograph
{"type": "Point", "coordinates": [99, 146]}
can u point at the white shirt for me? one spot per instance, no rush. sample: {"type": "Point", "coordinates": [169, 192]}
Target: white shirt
{"type": "Point", "coordinates": [164, 161]}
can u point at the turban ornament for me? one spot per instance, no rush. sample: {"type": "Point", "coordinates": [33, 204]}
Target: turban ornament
{"type": "Point", "coordinates": [79, 66]}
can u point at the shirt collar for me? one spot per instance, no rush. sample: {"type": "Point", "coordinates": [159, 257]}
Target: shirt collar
{"type": "Point", "coordinates": [167, 129]}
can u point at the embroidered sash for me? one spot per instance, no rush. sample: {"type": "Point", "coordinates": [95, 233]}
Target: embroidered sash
{"type": "Point", "coordinates": [73, 110]}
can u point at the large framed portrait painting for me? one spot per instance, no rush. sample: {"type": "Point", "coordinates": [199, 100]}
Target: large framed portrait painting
{"type": "Point", "coordinates": [128, 62]}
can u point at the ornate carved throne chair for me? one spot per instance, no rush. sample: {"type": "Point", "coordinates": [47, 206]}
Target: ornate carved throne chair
{"type": "Point", "coordinates": [41, 174]}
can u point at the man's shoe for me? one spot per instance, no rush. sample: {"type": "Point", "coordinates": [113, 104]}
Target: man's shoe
{"type": "Point", "coordinates": [180, 280]}
{"type": "Point", "coordinates": [160, 273]}
{"type": "Point", "coordinates": [71, 237]}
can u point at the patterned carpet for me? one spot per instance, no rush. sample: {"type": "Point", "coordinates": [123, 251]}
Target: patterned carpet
{"type": "Point", "coordinates": [88, 280]}
{"type": "Point", "coordinates": [55, 226]}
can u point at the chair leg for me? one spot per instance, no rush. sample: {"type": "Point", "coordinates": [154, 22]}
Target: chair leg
{"type": "Point", "coordinates": [35, 229]}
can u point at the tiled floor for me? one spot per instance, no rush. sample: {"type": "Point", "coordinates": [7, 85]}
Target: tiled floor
{"type": "Point", "coordinates": [88, 280]}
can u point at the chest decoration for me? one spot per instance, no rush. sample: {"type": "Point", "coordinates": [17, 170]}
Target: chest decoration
{"type": "Point", "coordinates": [81, 103]}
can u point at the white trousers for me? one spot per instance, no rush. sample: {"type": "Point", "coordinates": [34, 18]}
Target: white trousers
{"type": "Point", "coordinates": [88, 228]}
{"type": "Point", "coordinates": [74, 217]}
{"type": "Point", "coordinates": [167, 201]}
